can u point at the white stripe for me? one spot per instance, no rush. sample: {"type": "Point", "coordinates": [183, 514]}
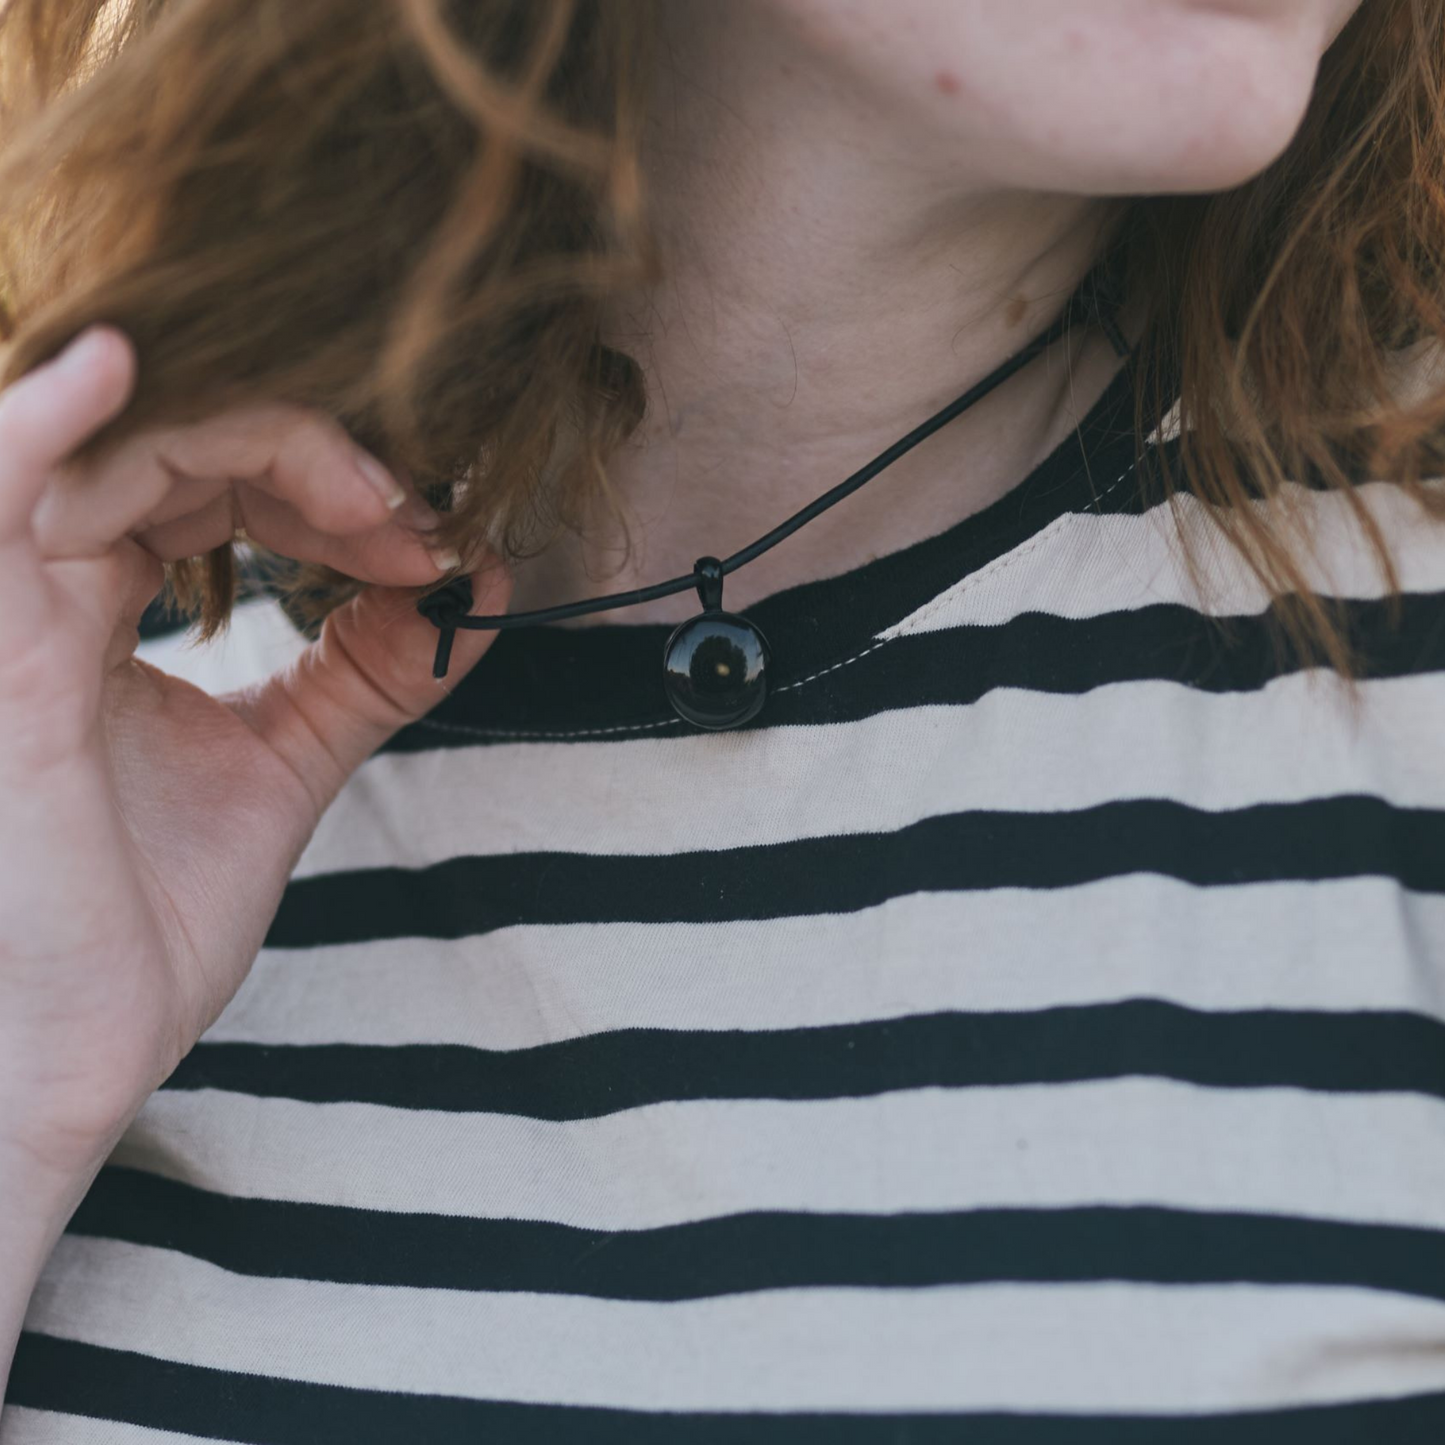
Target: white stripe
{"type": "Point", "coordinates": [984, 1347]}
{"type": "Point", "coordinates": [22, 1426]}
{"type": "Point", "coordinates": [1083, 564]}
{"type": "Point", "coordinates": [1358, 943]}
{"type": "Point", "coordinates": [1374, 1159]}
{"type": "Point", "coordinates": [259, 640]}
{"type": "Point", "coordinates": [1294, 739]}
{"type": "Point", "coordinates": [1080, 565]}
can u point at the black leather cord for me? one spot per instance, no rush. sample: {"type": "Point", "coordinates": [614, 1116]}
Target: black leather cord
{"type": "Point", "coordinates": [1098, 297]}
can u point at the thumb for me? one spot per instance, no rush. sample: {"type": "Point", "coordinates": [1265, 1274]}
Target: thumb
{"type": "Point", "coordinates": [366, 676]}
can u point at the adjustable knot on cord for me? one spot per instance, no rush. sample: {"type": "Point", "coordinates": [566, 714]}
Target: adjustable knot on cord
{"type": "Point", "coordinates": [444, 609]}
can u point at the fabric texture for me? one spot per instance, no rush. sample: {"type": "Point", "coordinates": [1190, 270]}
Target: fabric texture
{"type": "Point", "coordinates": [1030, 1029]}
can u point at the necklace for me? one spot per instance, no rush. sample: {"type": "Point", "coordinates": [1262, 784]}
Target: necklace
{"type": "Point", "coordinates": [715, 665]}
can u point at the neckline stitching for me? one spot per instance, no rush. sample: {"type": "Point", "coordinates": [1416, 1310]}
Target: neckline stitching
{"type": "Point", "coordinates": [471, 730]}
{"type": "Point", "coordinates": [906, 626]}
{"type": "Point", "coordinates": [983, 574]}
{"type": "Point", "coordinates": [1092, 428]}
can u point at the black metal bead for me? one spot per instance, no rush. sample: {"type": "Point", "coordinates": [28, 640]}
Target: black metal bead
{"type": "Point", "coordinates": [715, 669]}
{"type": "Point", "coordinates": [448, 602]}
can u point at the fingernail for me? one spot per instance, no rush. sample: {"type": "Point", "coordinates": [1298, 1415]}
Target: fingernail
{"type": "Point", "coordinates": [388, 488]}
{"type": "Point", "coordinates": [445, 559]}
{"type": "Point", "coordinates": [81, 348]}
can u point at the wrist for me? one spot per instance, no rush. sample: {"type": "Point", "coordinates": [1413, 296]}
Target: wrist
{"type": "Point", "coordinates": [36, 1203]}
{"type": "Point", "coordinates": [37, 1199]}
{"type": "Point", "coordinates": [49, 1156]}
{"type": "Point", "coordinates": [61, 1112]}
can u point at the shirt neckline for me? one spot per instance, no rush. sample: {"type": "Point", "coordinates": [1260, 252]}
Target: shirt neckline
{"type": "Point", "coordinates": [544, 679]}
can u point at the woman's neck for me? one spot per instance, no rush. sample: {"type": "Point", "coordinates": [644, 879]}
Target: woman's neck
{"type": "Point", "coordinates": [834, 274]}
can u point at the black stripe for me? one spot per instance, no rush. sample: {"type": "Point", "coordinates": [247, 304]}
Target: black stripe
{"type": "Point", "coordinates": [1321, 838]}
{"type": "Point", "coordinates": [160, 620]}
{"type": "Point", "coordinates": [1041, 652]}
{"type": "Point", "coordinates": [596, 676]}
{"type": "Point", "coordinates": [599, 1074]}
{"type": "Point", "coordinates": [607, 676]}
{"type": "Point", "coordinates": [744, 1253]}
{"type": "Point", "coordinates": [106, 1384]}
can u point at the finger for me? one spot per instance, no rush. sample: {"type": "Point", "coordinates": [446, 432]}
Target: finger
{"type": "Point", "coordinates": [366, 676]}
{"type": "Point", "coordinates": [43, 417]}
{"type": "Point", "coordinates": [105, 597]}
{"type": "Point", "coordinates": [85, 509]}
{"type": "Point", "coordinates": [48, 413]}
{"type": "Point", "coordinates": [194, 534]}
{"type": "Point", "coordinates": [146, 578]}
{"type": "Point", "coordinates": [392, 555]}
{"type": "Point", "coordinates": [164, 474]}
{"type": "Point", "coordinates": [112, 590]}
{"type": "Point", "coordinates": [300, 457]}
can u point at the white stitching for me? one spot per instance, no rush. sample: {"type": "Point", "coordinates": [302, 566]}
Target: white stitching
{"type": "Point", "coordinates": [468, 729]}
{"type": "Point", "coordinates": [962, 585]}
{"type": "Point", "coordinates": [833, 667]}
{"type": "Point", "coordinates": [988, 570]}
{"type": "Point", "coordinates": [984, 573]}
{"type": "Point", "coordinates": [965, 584]}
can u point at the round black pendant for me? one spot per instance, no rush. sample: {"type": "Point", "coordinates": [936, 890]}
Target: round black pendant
{"type": "Point", "coordinates": [714, 668]}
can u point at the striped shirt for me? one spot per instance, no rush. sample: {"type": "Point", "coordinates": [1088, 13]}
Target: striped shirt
{"type": "Point", "coordinates": [1030, 1029]}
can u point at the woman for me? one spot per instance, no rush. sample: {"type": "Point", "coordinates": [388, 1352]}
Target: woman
{"type": "Point", "coordinates": [1026, 1025]}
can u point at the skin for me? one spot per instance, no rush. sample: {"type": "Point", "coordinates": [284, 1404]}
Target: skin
{"type": "Point", "coordinates": [867, 206]}
{"type": "Point", "coordinates": [148, 828]}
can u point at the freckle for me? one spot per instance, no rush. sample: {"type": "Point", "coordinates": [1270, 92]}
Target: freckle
{"type": "Point", "coordinates": [1014, 311]}
{"type": "Point", "coordinates": [947, 82]}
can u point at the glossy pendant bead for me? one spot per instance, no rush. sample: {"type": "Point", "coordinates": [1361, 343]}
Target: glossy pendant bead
{"type": "Point", "coordinates": [715, 670]}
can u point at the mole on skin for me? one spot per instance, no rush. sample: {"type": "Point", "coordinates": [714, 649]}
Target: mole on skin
{"type": "Point", "coordinates": [947, 82]}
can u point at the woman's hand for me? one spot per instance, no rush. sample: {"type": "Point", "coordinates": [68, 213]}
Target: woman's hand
{"type": "Point", "coordinates": [146, 828]}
